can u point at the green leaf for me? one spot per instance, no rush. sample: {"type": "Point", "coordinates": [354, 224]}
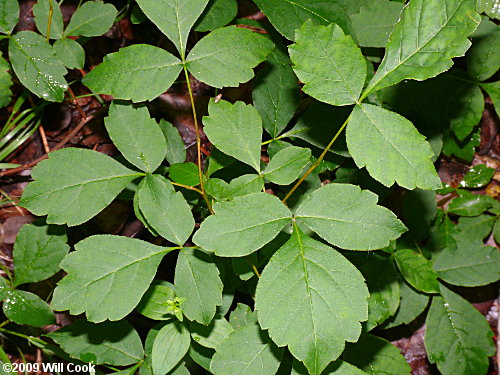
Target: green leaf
{"type": "Point", "coordinates": [412, 304]}
{"type": "Point", "coordinates": [170, 345]}
{"type": "Point", "coordinates": [493, 90]}
{"type": "Point", "coordinates": [242, 316]}
{"type": "Point", "coordinates": [276, 94]}
{"type": "Point", "coordinates": [397, 152]}
{"type": "Point", "coordinates": [212, 335]}
{"type": "Point", "coordinates": [246, 351]}
{"type": "Point", "coordinates": [468, 264]}
{"type": "Point", "coordinates": [321, 292]}
{"type": "Point", "coordinates": [212, 62]}
{"type": "Point", "coordinates": [349, 218]}
{"type": "Point", "coordinates": [242, 225]}
{"type": "Point", "coordinates": [93, 18]}
{"type": "Point", "coordinates": [218, 13]}
{"type": "Point", "coordinates": [417, 271]}
{"type": "Point", "coordinates": [201, 355]}
{"type": "Point", "coordinates": [154, 302]}
{"type": "Point", "coordinates": [165, 210]}
{"type": "Point", "coordinates": [4, 287]}
{"type": "Point", "coordinates": [174, 18]}
{"type": "Point", "coordinates": [27, 308]}
{"type": "Point", "coordinates": [235, 129]}
{"type": "Point", "coordinates": [36, 65]}
{"type": "Point", "coordinates": [376, 356]}
{"type": "Point", "coordinates": [442, 235]}
{"type": "Point", "coordinates": [114, 343]}
{"type": "Point", "coordinates": [329, 63]}
{"type": "Point", "coordinates": [41, 12]}
{"type": "Point", "coordinates": [490, 7]}
{"type": "Point", "coordinates": [338, 367]}
{"type": "Point", "coordinates": [98, 291]}
{"type": "Point", "coordinates": [70, 195]}
{"type": "Point", "coordinates": [419, 209]}
{"type": "Point", "coordinates": [184, 173]}
{"type": "Point", "coordinates": [478, 176]}
{"type": "Point", "coordinates": [288, 16]}
{"type": "Point", "coordinates": [139, 72]}
{"type": "Point", "coordinates": [243, 185]}
{"type": "Point", "coordinates": [5, 83]}
{"type": "Point", "coordinates": [475, 228]}
{"type": "Point", "coordinates": [38, 251]}
{"type": "Point", "coordinates": [197, 280]}
{"type": "Point", "coordinates": [468, 204]}
{"type": "Point", "coordinates": [483, 59]}
{"type": "Point", "coordinates": [375, 21]}
{"type": "Point", "coordinates": [496, 231]}
{"type": "Point", "coordinates": [176, 150]}
{"type": "Point", "coordinates": [287, 164]}
{"type": "Point", "coordinates": [458, 338]}
{"type": "Point", "coordinates": [427, 37]}
{"type": "Point", "coordinates": [9, 15]}
{"type": "Point", "coordinates": [463, 149]}
{"type": "Point", "coordinates": [70, 52]}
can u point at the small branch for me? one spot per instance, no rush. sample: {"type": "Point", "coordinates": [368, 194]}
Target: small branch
{"type": "Point", "coordinates": [75, 102]}
{"type": "Point", "coordinates": [44, 139]}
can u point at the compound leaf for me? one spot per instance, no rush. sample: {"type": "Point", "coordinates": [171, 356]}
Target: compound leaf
{"type": "Point", "coordinates": [41, 12]}
{"type": "Point", "coordinates": [93, 18]}
{"type": "Point", "coordinates": [70, 195]}
{"type": "Point", "coordinates": [349, 217]}
{"type": "Point", "coordinates": [169, 347]}
{"type": "Point", "coordinates": [287, 164]}
{"type": "Point", "coordinates": [9, 15]}
{"type": "Point", "coordinates": [27, 308]}
{"type": "Point", "coordinates": [314, 286]}
{"type": "Point", "coordinates": [417, 271]}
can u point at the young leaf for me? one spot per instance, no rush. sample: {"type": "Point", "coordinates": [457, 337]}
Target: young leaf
{"type": "Point", "coordinates": [27, 308]}
{"type": "Point", "coordinates": [36, 65]}
{"type": "Point", "coordinates": [93, 18]}
{"type": "Point", "coordinates": [73, 196]}
{"type": "Point", "coordinates": [212, 335]}
{"type": "Point", "coordinates": [314, 286]}
{"type": "Point", "coordinates": [475, 228]}
{"type": "Point", "coordinates": [5, 83]}
{"type": "Point", "coordinates": [41, 12]}
{"type": "Point", "coordinates": [70, 52]}
{"type": "Point", "coordinates": [254, 351]}
{"type": "Point", "coordinates": [165, 210]}
{"type": "Point", "coordinates": [287, 165]}
{"type": "Point", "coordinates": [184, 173]}
{"type": "Point", "coordinates": [242, 316]}
{"type": "Point", "coordinates": [349, 218]}
{"type": "Point", "coordinates": [170, 345]}
{"type": "Point", "coordinates": [174, 18]}
{"type": "Point", "coordinates": [235, 129]}
{"type": "Point", "coordinates": [478, 176]}
{"type": "Point", "coordinates": [412, 304]}
{"type": "Point", "coordinates": [483, 59]}
{"type": "Point", "coordinates": [218, 13]}
{"type": "Point", "coordinates": [114, 343]}
{"type": "Point", "coordinates": [154, 302]}
{"type": "Point", "coordinates": [458, 338]}
{"type": "Point", "coordinates": [243, 185]}
{"type": "Point", "coordinates": [417, 271]}
{"type": "Point", "coordinates": [136, 135]}
{"type": "Point", "coordinates": [139, 72]}
{"type": "Point", "coordinates": [197, 280]}
{"type": "Point", "coordinates": [38, 251]}
{"type": "Point", "coordinates": [212, 62]}
{"type": "Point", "coordinates": [329, 63]}
{"type": "Point", "coordinates": [424, 41]}
{"type": "Point", "coordinates": [397, 152]}
{"type": "Point", "coordinates": [98, 291]}
{"type": "Point", "coordinates": [242, 225]}
{"type": "Point", "coordinates": [9, 15]}
{"type": "Point", "coordinates": [176, 150]}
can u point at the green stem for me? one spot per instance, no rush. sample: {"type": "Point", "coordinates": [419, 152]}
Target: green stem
{"type": "Point", "coordinates": [49, 21]}
{"type": "Point", "coordinates": [187, 187]}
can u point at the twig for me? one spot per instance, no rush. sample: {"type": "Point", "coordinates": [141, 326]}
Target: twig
{"type": "Point", "coordinates": [44, 139]}
{"type": "Point", "coordinates": [73, 99]}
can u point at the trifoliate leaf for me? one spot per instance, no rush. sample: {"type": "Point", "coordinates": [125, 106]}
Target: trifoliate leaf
{"type": "Point", "coordinates": [329, 63]}
{"type": "Point", "coordinates": [243, 185]}
{"type": "Point", "coordinates": [218, 13]}
{"type": "Point", "coordinates": [70, 52]}
{"type": "Point", "coordinates": [375, 21]}
{"type": "Point", "coordinates": [242, 316]}
{"type": "Point", "coordinates": [412, 304]}
{"type": "Point", "coordinates": [376, 356]}
{"type": "Point", "coordinates": [139, 72]}
{"type": "Point", "coordinates": [477, 227]}
{"type": "Point", "coordinates": [5, 83]}
{"type": "Point", "coordinates": [255, 353]}
{"type": "Point", "coordinates": [27, 308]}
{"type": "Point", "coordinates": [170, 345]}
{"type": "Point", "coordinates": [70, 195]}
{"type": "Point", "coordinates": [184, 173]}
{"type": "Point", "coordinates": [212, 335]}
{"type": "Point", "coordinates": [212, 62]}
{"type": "Point", "coordinates": [287, 164]}
{"type": "Point", "coordinates": [41, 12]}
{"type": "Point", "coordinates": [349, 218]}
{"type": "Point", "coordinates": [468, 264]}
{"type": "Point", "coordinates": [176, 150]}
{"type": "Point", "coordinates": [424, 41]}
{"type": "Point", "coordinates": [93, 18]}
{"type": "Point", "coordinates": [478, 176]}
{"type": "Point", "coordinates": [469, 204]}
{"type": "Point", "coordinates": [325, 296]}
{"type": "Point", "coordinates": [38, 251]}
{"type": "Point", "coordinates": [35, 63]}
{"type": "Point", "coordinates": [235, 129]}
{"type": "Point", "coordinates": [397, 152]}
{"type": "Point", "coordinates": [197, 280]}
{"type": "Point", "coordinates": [114, 343]}
{"type": "Point", "coordinates": [174, 18]}
{"type": "Point", "coordinates": [165, 210]}
{"type": "Point", "coordinates": [154, 302]}
{"type": "Point", "coordinates": [458, 338]}
{"type": "Point", "coordinates": [98, 291]}
{"type": "Point", "coordinates": [9, 15]}
{"type": "Point", "coordinates": [242, 225]}
{"type": "Point", "coordinates": [288, 16]}
{"type": "Point", "coordinates": [417, 271]}
{"type": "Point", "coordinates": [483, 59]}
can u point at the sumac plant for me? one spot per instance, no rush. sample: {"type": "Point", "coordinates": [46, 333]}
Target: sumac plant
{"type": "Point", "coordinates": [283, 255]}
